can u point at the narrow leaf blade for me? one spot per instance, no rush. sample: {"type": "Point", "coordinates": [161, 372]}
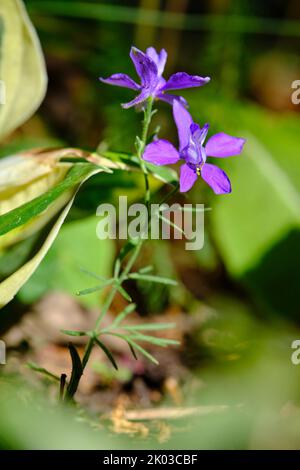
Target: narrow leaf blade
{"type": "Point", "coordinates": [107, 352]}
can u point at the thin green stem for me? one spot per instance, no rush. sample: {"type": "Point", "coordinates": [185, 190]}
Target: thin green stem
{"type": "Point", "coordinates": [87, 352]}
{"type": "Point", "coordinates": [123, 275]}
{"type": "Point", "coordinates": [114, 289]}
{"type": "Point", "coordinates": [142, 144]}
{"type": "Point", "coordinates": [170, 194]}
{"type": "Point", "coordinates": [108, 302]}
{"type": "Point", "coordinates": [106, 306]}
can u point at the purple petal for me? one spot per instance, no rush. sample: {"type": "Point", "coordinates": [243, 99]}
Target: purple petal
{"type": "Point", "coordinates": [159, 59]}
{"type": "Point", "coordinates": [187, 178]}
{"type": "Point", "coordinates": [183, 121]}
{"type": "Point", "coordinates": [216, 179]}
{"type": "Point", "coordinates": [198, 133]}
{"type": "Point", "coordinates": [120, 79]}
{"type": "Point", "coordinates": [161, 152]}
{"type": "Point", "coordinates": [170, 99]}
{"type": "Point", "coordinates": [138, 100]}
{"type": "Point", "coordinates": [183, 80]}
{"type": "Point", "coordinates": [195, 129]}
{"type": "Point", "coordinates": [145, 68]}
{"type": "Point", "coordinates": [224, 145]}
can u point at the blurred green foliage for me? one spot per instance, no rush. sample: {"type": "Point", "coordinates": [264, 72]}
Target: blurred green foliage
{"type": "Point", "coordinates": [75, 248]}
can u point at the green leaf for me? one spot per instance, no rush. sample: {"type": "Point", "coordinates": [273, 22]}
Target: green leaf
{"type": "Point", "coordinates": [172, 224]}
{"type": "Point", "coordinates": [107, 352]}
{"type": "Point", "coordinates": [264, 215]}
{"type": "Point", "coordinates": [150, 278]}
{"type": "Point", "coordinates": [91, 290]}
{"type": "Point", "coordinates": [27, 211]}
{"type": "Point", "coordinates": [122, 315]}
{"type": "Point", "coordinates": [91, 274]}
{"type": "Point", "coordinates": [133, 351]}
{"type": "Point", "coordinates": [74, 333]}
{"type": "Point", "coordinates": [76, 245]}
{"type": "Point", "coordinates": [43, 371]}
{"type": "Point", "coordinates": [77, 371]}
{"type": "Point", "coordinates": [187, 208]}
{"type": "Point", "coordinates": [153, 340]}
{"type": "Point", "coordinates": [146, 269]}
{"type": "Point", "coordinates": [22, 66]}
{"type": "Point", "coordinates": [123, 293]}
{"type": "Point", "coordinates": [22, 178]}
{"type": "Point", "coordinates": [127, 248]}
{"type": "Point", "coordinates": [143, 351]}
{"type": "Point", "coordinates": [11, 285]}
{"type": "Point", "coordinates": [162, 173]}
{"type": "Point", "coordinates": [117, 267]}
{"type": "Point", "coordinates": [135, 345]}
{"type": "Point", "coordinates": [149, 326]}
{"type": "Point", "coordinates": [256, 228]}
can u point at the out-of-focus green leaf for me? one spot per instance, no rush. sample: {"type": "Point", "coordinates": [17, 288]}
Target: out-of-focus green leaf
{"type": "Point", "coordinates": [163, 342]}
{"type": "Point", "coordinates": [148, 326]}
{"type": "Point", "coordinates": [257, 226]}
{"type": "Point", "coordinates": [97, 254]}
{"type": "Point", "coordinates": [76, 247]}
{"type": "Point", "coordinates": [22, 179]}
{"type": "Point", "coordinates": [11, 285]}
{"type": "Point", "coordinates": [33, 208]}
{"type": "Point", "coordinates": [162, 173]}
{"type": "Point", "coordinates": [122, 315]}
{"type": "Point", "coordinates": [153, 278]}
{"type": "Point", "coordinates": [42, 370]}
{"type": "Point", "coordinates": [264, 207]}
{"type": "Point", "coordinates": [74, 333]}
{"type": "Point", "coordinates": [30, 184]}
{"type": "Point", "coordinates": [22, 67]}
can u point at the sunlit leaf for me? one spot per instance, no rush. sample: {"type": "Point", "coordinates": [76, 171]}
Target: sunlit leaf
{"type": "Point", "coordinates": [22, 66]}
{"type": "Point", "coordinates": [11, 285]}
{"type": "Point", "coordinates": [27, 211]}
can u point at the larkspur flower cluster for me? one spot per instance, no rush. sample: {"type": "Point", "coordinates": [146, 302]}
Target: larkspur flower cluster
{"type": "Point", "coordinates": [192, 151]}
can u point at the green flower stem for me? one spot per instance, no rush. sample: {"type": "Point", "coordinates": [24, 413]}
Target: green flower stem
{"type": "Point", "coordinates": [142, 145]}
{"type": "Point", "coordinates": [135, 253]}
{"type": "Point", "coordinates": [124, 274]}
{"type": "Point", "coordinates": [104, 311]}
{"type": "Point", "coordinates": [114, 289]}
{"type": "Point", "coordinates": [170, 194]}
{"type": "Point", "coordinates": [109, 300]}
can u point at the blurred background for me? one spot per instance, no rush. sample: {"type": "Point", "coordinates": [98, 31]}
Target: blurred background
{"type": "Point", "coordinates": [237, 304]}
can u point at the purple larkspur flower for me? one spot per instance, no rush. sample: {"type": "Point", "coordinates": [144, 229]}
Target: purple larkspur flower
{"type": "Point", "coordinates": [194, 153]}
{"type": "Point", "coordinates": [150, 67]}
